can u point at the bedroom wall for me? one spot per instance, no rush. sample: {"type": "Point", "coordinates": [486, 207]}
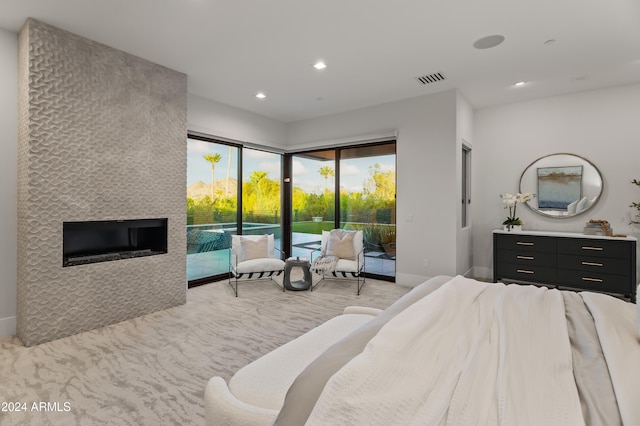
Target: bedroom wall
{"type": "Point", "coordinates": [600, 125]}
{"type": "Point", "coordinates": [226, 122]}
{"type": "Point", "coordinates": [427, 190]}
{"type": "Point", "coordinates": [8, 177]}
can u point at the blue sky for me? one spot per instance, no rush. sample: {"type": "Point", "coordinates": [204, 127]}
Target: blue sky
{"type": "Point", "coordinates": [305, 172]}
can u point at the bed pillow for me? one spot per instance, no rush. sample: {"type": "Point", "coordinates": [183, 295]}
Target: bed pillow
{"type": "Point", "coordinates": [571, 208]}
{"type": "Point", "coordinates": [340, 244]}
{"type": "Point", "coordinates": [254, 248]}
{"type": "Point", "coordinates": [582, 204]}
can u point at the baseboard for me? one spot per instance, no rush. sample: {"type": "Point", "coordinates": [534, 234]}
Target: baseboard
{"type": "Point", "coordinates": [470, 273]}
{"type": "Point", "coordinates": [409, 280]}
{"type": "Point", "coordinates": [7, 326]}
{"type": "Point", "coordinates": [483, 273]}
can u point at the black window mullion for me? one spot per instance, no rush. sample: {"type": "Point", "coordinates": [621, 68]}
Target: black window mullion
{"type": "Point", "coordinates": [286, 203]}
{"type": "Point", "coordinates": [239, 194]}
{"type": "Point", "coordinates": [336, 190]}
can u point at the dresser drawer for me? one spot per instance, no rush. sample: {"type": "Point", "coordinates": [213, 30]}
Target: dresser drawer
{"type": "Point", "coordinates": [594, 281]}
{"type": "Point", "coordinates": [527, 257]}
{"type": "Point", "coordinates": [573, 261]}
{"type": "Point", "coordinates": [526, 243]}
{"type": "Point", "coordinates": [594, 247]}
{"type": "Point", "coordinates": [600, 265]}
{"type": "Point", "coordinates": [540, 274]}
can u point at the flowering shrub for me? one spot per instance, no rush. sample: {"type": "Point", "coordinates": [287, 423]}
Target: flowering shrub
{"type": "Point", "coordinates": [511, 202]}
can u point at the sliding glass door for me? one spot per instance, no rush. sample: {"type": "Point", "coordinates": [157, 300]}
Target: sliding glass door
{"type": "Point", "coordinates": [361, 182]}
{"type": "Point", "coordinates": [261, 193]}
{"type": "Point", "coordinates": [312, 200]}
{"type": "Point", "coordinates": [368, 202]}
{"type": "Point", "coordinates": [238, 190]}
{"type": "Point", "coordinates": [224, 180]}
{"type": "Point", "coordinates": [212, 206]}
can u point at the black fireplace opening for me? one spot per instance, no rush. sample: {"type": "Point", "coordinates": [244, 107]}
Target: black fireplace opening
{"type": "Point", "coordinates": [107, 240]}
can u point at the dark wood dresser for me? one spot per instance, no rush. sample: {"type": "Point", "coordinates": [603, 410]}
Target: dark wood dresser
{"type": "Point", "coordinates": [562, 259]}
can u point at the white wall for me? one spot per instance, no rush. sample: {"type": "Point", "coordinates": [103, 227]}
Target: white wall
{"type": "Point", "coordinates": [600, 125]}
{"type": "Point", "coordinates": [219, 120]}
{"type": "Point", "coordinates": [426, 174]}
{"type": "Point", "coordinates": [8, 177]}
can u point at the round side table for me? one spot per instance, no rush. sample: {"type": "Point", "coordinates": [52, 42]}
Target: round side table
{"type": "Point", "coordinates": [303, 284]}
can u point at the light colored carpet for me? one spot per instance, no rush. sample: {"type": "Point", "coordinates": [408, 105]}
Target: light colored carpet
{"type": "Point", "coordinates": [152, 370]}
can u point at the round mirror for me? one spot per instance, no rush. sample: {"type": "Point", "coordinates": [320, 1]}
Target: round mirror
{"type": "Point", "coordinates": [565, 185]}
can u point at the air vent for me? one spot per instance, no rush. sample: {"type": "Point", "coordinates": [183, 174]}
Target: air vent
{"type": "Point", "coordinates": [431, 78]}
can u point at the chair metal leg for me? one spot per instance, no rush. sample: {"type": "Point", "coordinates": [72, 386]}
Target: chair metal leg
{"type": "Point", "coordinates": [359, 283]}
{"type": "Point", "coordinates": [364, 279]}
{"type": "Point", "coordinates": [276, 283]}
{"type": "Point", "coordinates": [233, 278]}
{"type": "Point", "coordinates": [322, 278]}
{"type": "Point", "coordinates": [235, 290]}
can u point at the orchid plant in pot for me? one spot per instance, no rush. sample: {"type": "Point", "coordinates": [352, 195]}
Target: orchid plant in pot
{"type": "Point", "coordinates": [511, 202]}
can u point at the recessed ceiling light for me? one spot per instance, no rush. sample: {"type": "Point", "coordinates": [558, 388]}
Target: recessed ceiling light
{"type": "Point", "coordinates": [520, 83]}
{"type": "Point", "coordinates": [550, 42]}
{"type": "Point", "coordinates": [319, 65]}
{"type": "Point", "coordinates": [260, 95]}
{"type": "Point", "coordinates": [488, 42]}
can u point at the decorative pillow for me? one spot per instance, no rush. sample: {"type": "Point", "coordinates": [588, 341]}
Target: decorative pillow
{"type": "Point", "coordinates": [582, 204]}
{"type": "Point", "coordinates": [254, 248]}
{"type": "Point", "coordinates": [571, 208]}
{"type": "Point", "coordinates": [340, 244]}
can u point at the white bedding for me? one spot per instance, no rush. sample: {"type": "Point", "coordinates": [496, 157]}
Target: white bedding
{"type": "Point", "coordinates": [618, 336]}
{"type": "Point", "coordinates": [430, 365]}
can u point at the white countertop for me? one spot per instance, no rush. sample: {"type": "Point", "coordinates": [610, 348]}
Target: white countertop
{"type": "Point", "coordinates": [564, 234]}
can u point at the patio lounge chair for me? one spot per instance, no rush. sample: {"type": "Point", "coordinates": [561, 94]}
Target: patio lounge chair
{"type": "Point", "coordinates": [341, 255]}
{"type": "Point", "coordinates": [254, 257]}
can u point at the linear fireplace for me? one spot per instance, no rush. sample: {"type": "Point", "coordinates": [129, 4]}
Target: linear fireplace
{"type": "Point", "coordinates": [107, 240]}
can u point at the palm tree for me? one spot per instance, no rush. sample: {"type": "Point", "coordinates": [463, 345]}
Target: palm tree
{"type": "Point", "coordinates": [213, 159]}
{"type": "Point", "coordinates": [255, 178]}
{"type": "Point", "coordinates": [226, 189]}
{"type": "Point", "coordinates": [326, 171]}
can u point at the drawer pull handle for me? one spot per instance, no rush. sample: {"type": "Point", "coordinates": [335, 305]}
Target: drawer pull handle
{"type": "Point", "coordinates": [524, 243]}
{"type": "Point", "coordinates": [592, 264]}
{"type": "Point", "coordinates": [595, 280]}
{"type": "Point", "coordinates": [525, 257]}
{"type": "Point", "coordinates": [592, 248]}
{"type": "Point", "coordinates": [524, 271]}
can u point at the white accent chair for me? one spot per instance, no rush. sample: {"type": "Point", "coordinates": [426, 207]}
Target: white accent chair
{"type": "Point", "coordinates": [349, 264]}
{"type": "Point", "coordinates": [254, 257]}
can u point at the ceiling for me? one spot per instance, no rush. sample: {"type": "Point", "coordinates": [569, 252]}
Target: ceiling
{"type": "Point", "coordinates": [374, 49]}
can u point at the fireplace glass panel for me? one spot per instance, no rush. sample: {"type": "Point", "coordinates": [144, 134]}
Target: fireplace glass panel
{"type": "Point", "coordinates": [101, 241]}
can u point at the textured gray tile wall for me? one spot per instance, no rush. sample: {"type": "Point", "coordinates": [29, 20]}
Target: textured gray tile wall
{"type": "Point", "coordinates": [101, 136]}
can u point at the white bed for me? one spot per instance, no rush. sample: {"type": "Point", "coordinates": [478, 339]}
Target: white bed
{"type": "Point", "coordinates": [458, 351]}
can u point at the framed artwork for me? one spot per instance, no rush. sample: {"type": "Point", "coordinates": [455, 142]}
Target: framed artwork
{"type": "Point", "coordinates": [559, 186]}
